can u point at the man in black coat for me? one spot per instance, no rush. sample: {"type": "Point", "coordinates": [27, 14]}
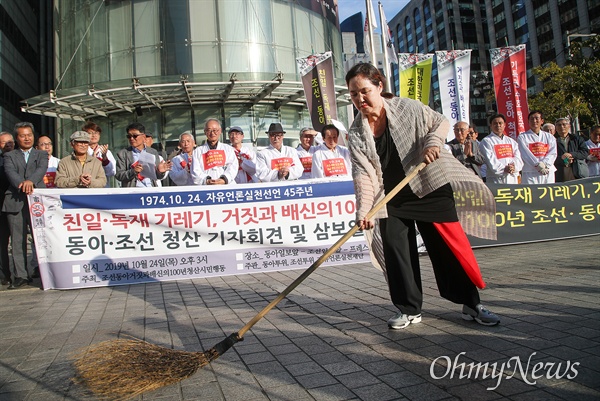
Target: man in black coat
{"type": "Point", "coordinates": [25, 168]}
{"type": "Point", "coordinates": [572, 153]}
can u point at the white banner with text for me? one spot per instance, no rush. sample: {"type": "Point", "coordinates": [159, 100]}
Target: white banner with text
{"type": "Point", "coordinates": [102, 237]}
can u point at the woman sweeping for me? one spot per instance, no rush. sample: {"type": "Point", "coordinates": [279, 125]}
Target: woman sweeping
{"type": "Point", "coordinates": [389, 137]}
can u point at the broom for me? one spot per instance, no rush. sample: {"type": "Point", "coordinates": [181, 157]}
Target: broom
{"type": "Point", "coordinates": [125, 368]}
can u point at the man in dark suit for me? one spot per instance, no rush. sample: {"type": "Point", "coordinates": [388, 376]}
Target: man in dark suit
{"type": "Point", "coordinates": [25, 168]}
{"type": "Point", "coordinates": [465, 149]}
{"type": "Point", "coordinates": [133, 161]}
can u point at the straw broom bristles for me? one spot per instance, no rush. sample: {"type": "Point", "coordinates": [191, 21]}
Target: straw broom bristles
{"type": "Point", "coordinates": [125, 368]}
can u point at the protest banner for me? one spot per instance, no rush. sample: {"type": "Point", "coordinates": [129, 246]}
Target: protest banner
{"type": "Point", "coordinates": [319, 88]}
{"type": "Point", "coordinates": [104, 237]}
{"type": "Point", "coordinates": [415, 76]}
{"type": "Point", "coordinates": [101, 237]}
{"type": "Point", "coordinates": [509, 68]}
{"type": "Point", "coordinates": [542, 212]}
{"type": "Point", "coordinates": [454, 74]}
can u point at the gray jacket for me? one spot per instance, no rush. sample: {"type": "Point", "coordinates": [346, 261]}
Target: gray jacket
{"type": "Point", "coordinates": [125, 173]}
{"type": "Point", "coordinates": [472, 162]}
{"type": "Point", "coordinates": [17, 171]}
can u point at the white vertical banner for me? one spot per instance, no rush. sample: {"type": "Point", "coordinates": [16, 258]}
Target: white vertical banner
{"type": "Point", "coordinates": [370, 25]}
{"type": "Point", "coordinates": [454, 72]}
{"type": "Point", "coordinates": [387, 37]}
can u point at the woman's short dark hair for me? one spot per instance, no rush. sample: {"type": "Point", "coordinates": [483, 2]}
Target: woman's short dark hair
{"type": "Point", "coordinates": [368, 71]}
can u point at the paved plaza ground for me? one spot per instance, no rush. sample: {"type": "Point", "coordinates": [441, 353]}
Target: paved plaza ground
{"type": "Point", "coordinates": [329, 339]}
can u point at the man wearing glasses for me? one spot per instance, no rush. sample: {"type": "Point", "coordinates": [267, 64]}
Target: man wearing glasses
{"type": "Point", "coordinates": [571, 152]}
{"type": "Point", "coordinates": [278, 162]}
{"type": "Point", "coordinates": [215, 163]}
{"type": "Point", "coordinates": [138, 165]}
{"type": "Point", "coordinates": [45, 144]}
{"type": "Point", "coordinates": [465, 149]}
{"type": "Point", "coordinates": [80, 169]}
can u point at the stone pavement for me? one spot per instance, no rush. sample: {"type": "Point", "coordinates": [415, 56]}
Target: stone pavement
{"type": "Point", "coordinates": [329, 339]}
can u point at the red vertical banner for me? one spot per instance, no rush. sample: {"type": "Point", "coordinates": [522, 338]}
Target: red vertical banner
{"type": "Point", "coordinates": [510, 83]}
{"type": "Point", "coordinates": [318, 83]}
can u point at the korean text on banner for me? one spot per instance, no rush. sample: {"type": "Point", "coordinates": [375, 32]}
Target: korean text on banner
{"type": "Point", "coordinates": [454, 72]}
{"type": "Point", "coordinates": [542, 212]}
{"type": "Point", "coordinates": [112, 236]}
{"type": "Point", "coordinates": [319, 88]}
{"type": "Point", "coordinates": [415, 75]}
{"type": "Point", "coordinates": [510, 85]}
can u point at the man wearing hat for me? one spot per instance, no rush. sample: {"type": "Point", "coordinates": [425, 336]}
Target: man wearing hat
{"type": "Point", "coordinates": [245, 155]}
{"type": "Point", "coordinates": [25, 168]}
{"type": "Point", "coordinates": [306, 150]}
{"type": "Point", "coordinates": [214, 162]}
{"type": "Point", "coordinates": [278, 162]}
{"type": "Point", "coordinates": [80, 169]}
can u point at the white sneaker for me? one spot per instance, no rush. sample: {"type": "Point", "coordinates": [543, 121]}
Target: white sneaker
{"type": "Point", "coordinates": [481, 315]}
{"type": "Point", "coordinates": [400, 320]}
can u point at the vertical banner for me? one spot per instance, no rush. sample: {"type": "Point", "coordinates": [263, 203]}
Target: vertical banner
{"type": "Point", "coordinates": [510, 85]}
{"type": "Point", "coordinates": [370, 25]}
{"type": "Point", "coordinates": [317, 79]}
{"type": "Point", "coordinates": [454, 72]}
{"type": "Point", "coordinates": [415, 76]}
{"type": "Point", "coordinates": [387, 35]}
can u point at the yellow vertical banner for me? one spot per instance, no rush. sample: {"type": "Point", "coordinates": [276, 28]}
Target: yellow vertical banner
{"type": "Point", "coordinates": [415, 76]}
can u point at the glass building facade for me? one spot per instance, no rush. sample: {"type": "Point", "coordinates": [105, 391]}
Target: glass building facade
{"type": "Point", "coordinates": [186, 61]}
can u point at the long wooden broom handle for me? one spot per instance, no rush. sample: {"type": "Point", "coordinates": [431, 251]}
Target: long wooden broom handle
{"type": "Point", "coordinates": [329, 252]}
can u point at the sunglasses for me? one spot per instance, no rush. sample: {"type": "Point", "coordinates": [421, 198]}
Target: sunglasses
{"type": "Point", "coordinates": [129, 136]}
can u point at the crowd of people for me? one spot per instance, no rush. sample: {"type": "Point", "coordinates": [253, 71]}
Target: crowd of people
{"type": "Point", "coordinates": [25, 165]}
{"type": "Point", "coordinates": [544, 154]}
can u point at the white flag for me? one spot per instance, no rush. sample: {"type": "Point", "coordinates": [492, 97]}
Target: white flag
{"type": "Point", "coordinates": [366, 39]}
{"type": "Point", "coordinates": [387, 34]}
{"type": "Point", "coordinates": [372, 14]}
{"type": "Point", "coordinates": [369, 19]}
